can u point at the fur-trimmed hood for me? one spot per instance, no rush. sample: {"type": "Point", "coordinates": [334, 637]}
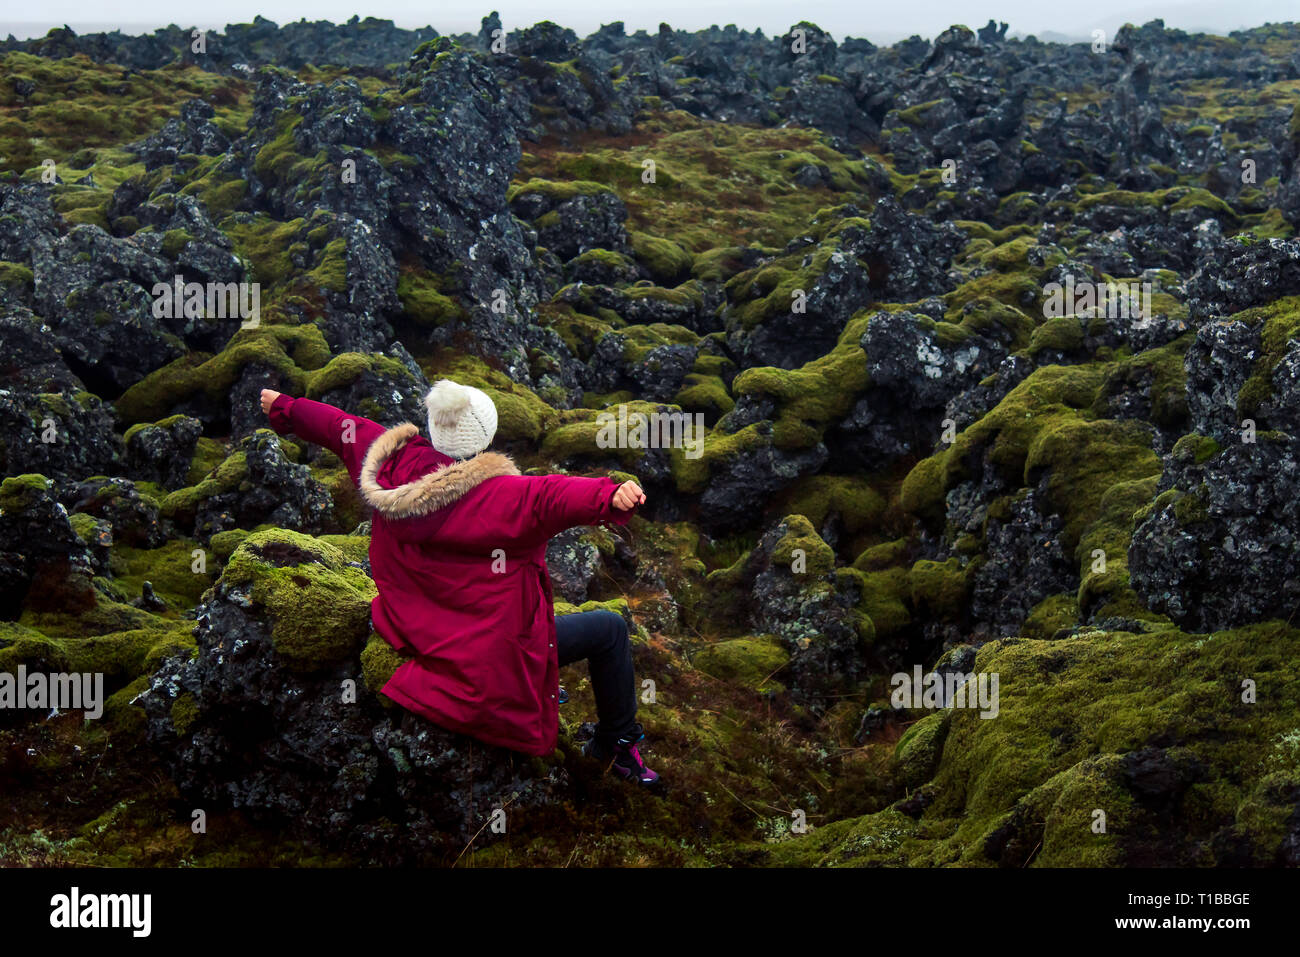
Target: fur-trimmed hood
{"type": "Point", "coordinates": [431, 491]}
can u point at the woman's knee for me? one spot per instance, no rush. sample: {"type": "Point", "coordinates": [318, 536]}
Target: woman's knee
{"type": "Point", "coordinates": [614, 629]}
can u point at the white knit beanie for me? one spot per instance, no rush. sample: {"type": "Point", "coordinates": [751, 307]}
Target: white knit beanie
{"type": "Point", "coordinates": [462, 419]}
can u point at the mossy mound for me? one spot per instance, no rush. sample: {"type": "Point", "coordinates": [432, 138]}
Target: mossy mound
{"type": "Point", "coordinates": [120, 656]}
{"type": "Point", "coordinates": [753, 662]}
{"type": "Point", "coordinates": [1129, 725]}
{"type": "Point", "coordinates": [316, 600]}
{"type": "Point", "coordinates": [1043, 425]}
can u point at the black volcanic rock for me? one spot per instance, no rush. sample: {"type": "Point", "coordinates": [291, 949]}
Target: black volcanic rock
{"type": "Point", "coordinates": [278, 714]}
{"type": "Point", "coordinates": [1221, 546]}
{"type": "Point", "coordinates": [162, 451]}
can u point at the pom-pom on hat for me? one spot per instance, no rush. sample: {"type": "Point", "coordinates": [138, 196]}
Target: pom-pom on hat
{"type": "Point", "coordinates": [462, 419]}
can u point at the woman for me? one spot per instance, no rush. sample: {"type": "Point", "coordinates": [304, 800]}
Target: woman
{"type": "Point", "coordinates": [458, 552]}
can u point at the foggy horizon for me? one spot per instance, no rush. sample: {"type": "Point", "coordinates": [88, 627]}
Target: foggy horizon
{"type": "Point", "coordinates": [841, 20]}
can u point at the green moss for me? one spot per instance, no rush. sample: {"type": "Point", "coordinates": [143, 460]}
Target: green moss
{"type": "Point", "coordinates": [752, 662]}
{"type": "Point", "coordinates": [1042, 425]}
{"type": "Point", "coordinates": [168, 568]}
{"type": "Point", "coordinates": [1190, 510]}
{"type": "Point", "coordinates": [331, 270]}
{"type": "Point", "coordinates": [79, 111]}
{"type": "Point", "coordinates": [704, 393]}
{"type": "Point", "coordinates": [278, 160]}
{"type": "Point", "coordinates": [318, 605]}
{"type": "Point", "coordinates": [556, 192]}
{"type": "Point", "coordinates": [924, 489]}
{"type": "Point", "coordinates": [1102, 554]}
{"type": "Point", "coordinates": [919, 751]}
{"type": "Point", "coordinates": [692, 474]}
{"type": "Point", "coordinates": [378, 662]}
{"type": "Point", "coordinates": [105, 616]}
{"type": "Point", "coordinates": [1270, 224]}
{"type": "Point", "coordinates": [86, 526]}
{"type": "Point", "coordinates": [1051, 615]}
{"type": "Point", "coordinates": [607, 257]}
{"type": "Point", "coordinates": [618, 606]}
{"type": "Point", "coordinates": [16, 276]}
{"type": "Point", "coordinates": [174, 241]}
{"type": "Point", "coordinates": [721, 263]}
{"type": "Point", "coordinates": [276, 251]}
{"type": "Point", "coordinates": [288, 350]}
{"type": "Point", "coordinates": [1196, 448]}
{"type": "Point", "coordinates": [221, 197]}
{"type": "Point", "coordinates": [184, 714]}
{"type": "Point", "coordinates": [355, 548]}
{"type": "Point", "coordinates": [345, 369]}
{"type": "Point", "coordinates": [885, 600]}
{"type": "Point", "coordinates": [939, 589]}
{"type": "Point", "coordinates": [1021, 789]}
{"type": "Point", "coordinates": [223, 544]}
{"type": "Point", "coordinates": [810, 397]}
{"type": "Point", "coordinates": [667, 262]}
{"type": "Point", "coordinates": [769, 290]}
{"type": "Point", "coordinates": [165, 424]}
{"type": "Point", "coordinates": [580, 432]}
{"type": "Point", "coordinates": [1084, 460]}
{"type": "Point", "coordinates": [682, 296]}
{"type": "Point", "coordinates": [24, 645]}
{"type": "Point", "coordinates": [230, 475]}
{"type": "Point", "coordinates": [120, 656]}
{"type": "Point", "coordinates": [802, 543]}
{"type": "Point", "coordinates": [1063, 334]}
{"type": "Point", "coordinates": [1016, 288]}
{"type": "Point", "coordinates": [1161, 373]}
{"type": "Point", "coordinates": [20, 492]}
{"type": "Point", "coordinates": [1018, 206]}
{"type": "Point", "coordinates": [716, 184]}
{"type": "Point", "coordinates": [639, 340]}
{"type": "Point", "coordinates": [884, 555]}
{"type": "Point", "coordinates": [1175, 199]}
{"type": "Point", "coordinates": [208, 454]}
{"type": "Point", "coordinates": [915, 116]}
{"type": "Point", "coordinates": [123, 714]}
{"type": "Point", "coordinates": [1279, 323]}
{"type": "Point", "coordinates": [858, 507]}
{"type": "Point", "coordinates": [1012, 254]}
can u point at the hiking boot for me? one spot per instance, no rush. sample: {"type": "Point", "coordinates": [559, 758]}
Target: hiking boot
{"type": "Point", "coordinates": [623, 757]}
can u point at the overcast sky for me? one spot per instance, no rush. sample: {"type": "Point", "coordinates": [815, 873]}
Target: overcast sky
{"type": "Point", "coordinates": [881, 22]}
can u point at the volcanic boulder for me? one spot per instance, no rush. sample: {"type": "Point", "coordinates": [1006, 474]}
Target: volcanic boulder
{"type": "Point", "coordinates": [279, 713]}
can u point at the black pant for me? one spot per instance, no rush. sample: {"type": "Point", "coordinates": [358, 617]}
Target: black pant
{"type": "Point", "coordinates": [601, 638]}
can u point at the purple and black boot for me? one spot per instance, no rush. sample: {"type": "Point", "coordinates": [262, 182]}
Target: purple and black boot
{"type": "Point", "coordinates": [623, 757]}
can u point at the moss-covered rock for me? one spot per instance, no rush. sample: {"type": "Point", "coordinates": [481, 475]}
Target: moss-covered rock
{"type": "Point", "coordinates": [752, 662]}
{"type": "Point", "coordinates": [920, 750]}
{"type": "Point", "coordinates": [1110, 727]}
{"type": "Point", "coordinates": [316, 601]}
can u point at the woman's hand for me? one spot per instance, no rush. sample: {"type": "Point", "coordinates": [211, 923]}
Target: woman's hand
{"type": "Point", "coordinates": [628, 496]}
{"type": "Point", "coordinates": [268, 399]}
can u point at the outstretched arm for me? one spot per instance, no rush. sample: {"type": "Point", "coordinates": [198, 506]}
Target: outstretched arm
{"type": "Point", "coordinates": [347, 436]}
{"type": "Point", "coordinates": [564, 501]}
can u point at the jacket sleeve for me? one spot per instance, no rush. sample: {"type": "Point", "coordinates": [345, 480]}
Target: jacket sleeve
{"type": "Point", "coordinates": [564, 501]}
{"type": "Point", "coordinates": [347, 436]}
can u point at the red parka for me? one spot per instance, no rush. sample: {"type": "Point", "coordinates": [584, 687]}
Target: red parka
{"type": "Point", "coordinates": [458, 552]}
